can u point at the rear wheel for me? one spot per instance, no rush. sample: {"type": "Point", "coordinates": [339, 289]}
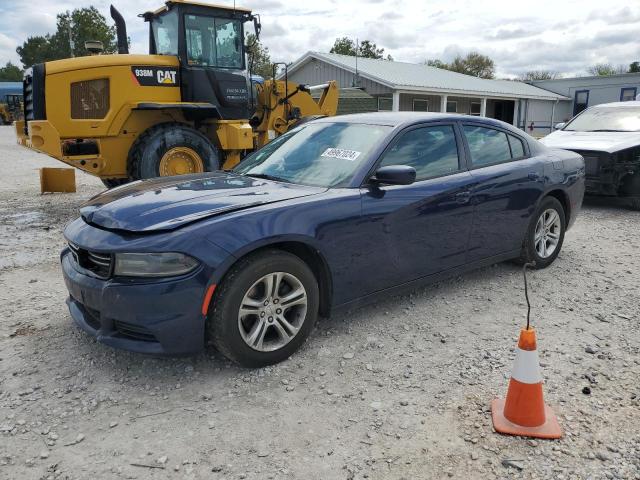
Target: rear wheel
{"type": "Point", "coordinates": [171, 149]}
{"type": "Point", "coordinates": [264, 309]}
{"type": "Point", "coordinates": [634, 203]}
{"type": "Point", "coordinates": [545, 234]}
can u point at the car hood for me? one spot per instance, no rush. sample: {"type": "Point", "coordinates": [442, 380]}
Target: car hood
{"type": "Point", "coordinates": [600, 141]}
{"type": "Point", "coordinates": [170, 202]}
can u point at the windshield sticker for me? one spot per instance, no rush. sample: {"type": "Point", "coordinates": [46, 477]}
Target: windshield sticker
{"type": "Point", "coordinates": [341, 153]}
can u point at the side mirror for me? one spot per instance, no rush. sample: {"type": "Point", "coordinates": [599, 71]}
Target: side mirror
{"type": "Point", "coordinates": [257, 26]}
{"type": "Point", "coordinates": [560, 126]}
{"type": "Point", "coordinates": [395, 175]}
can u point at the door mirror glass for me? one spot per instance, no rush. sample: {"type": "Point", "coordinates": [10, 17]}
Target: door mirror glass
{"type": "Point", "coordinates": [560, 126]}
{"type": "Point", "coordinates": [395, 175]}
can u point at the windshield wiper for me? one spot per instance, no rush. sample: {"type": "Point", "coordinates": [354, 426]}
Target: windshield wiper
{"type": "Point", "coordinates": [265, 176]}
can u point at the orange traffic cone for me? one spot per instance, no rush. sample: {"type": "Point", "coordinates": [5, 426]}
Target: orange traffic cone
{"type": "Point", "coordinates": [524, 411]}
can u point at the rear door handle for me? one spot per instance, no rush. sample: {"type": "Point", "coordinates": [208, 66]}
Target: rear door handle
{"type": "Point", "coordinates": [534, 176]}
{"type": "Point", "coordinates": [463, 197]}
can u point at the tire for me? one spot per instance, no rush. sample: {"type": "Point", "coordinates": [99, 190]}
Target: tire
{"type": "Point", "coordinates": [531, 251]}
{"type": "Point", "coordinates": [149, 149]}
{"type": "Point", "coordinates": [114, 182]}
{"type": "Point", "coordinates": [634, 204]}
{"type": "Point", "coordinates": [243, 285]}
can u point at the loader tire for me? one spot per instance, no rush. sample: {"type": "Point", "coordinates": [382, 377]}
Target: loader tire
{"type": "Point", "coordinates": [114, 182]}
{"type": "Point", "coordinates": [171, 149]}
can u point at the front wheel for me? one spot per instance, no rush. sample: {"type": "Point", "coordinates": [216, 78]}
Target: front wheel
{"type": "Point", "coordinates": [264, 309]}
{"type": "Point", "coordinates": [545, 234]}
{"type": "Point", "coordinates": [171, 149]}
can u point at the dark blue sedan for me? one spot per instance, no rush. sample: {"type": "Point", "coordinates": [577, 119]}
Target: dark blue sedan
{"type": "Point", "coordinates": [332, 214]}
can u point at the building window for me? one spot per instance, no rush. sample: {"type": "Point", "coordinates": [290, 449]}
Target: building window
{"type": "Point", "coordinates": [452, 106]}
{"type": "Point", "coordinates": [581, 101]}
{"type": "Point", "coordinates": [476, 108]}
{"type": "Point", "coordinates": [628, 94]}
{"type": "Point", "coordinates": [420, 105]}
{"type": "Point", "coordinates": [385, 104]}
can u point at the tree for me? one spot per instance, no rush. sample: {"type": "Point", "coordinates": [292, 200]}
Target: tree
{"type": "Point", "coordinates": [605, 69]}
{"type": "Point", "coordinates": [259, 58]}
{"type": "Point", "coordinates": [434, 62]}
{"type": "Point", "coordinates": [473, 63]}
{"type": "Point", "coordinates": [35, 50]}
{"type": "Point", "coordinates": [75, 28]}
{"type": "Point", "coordinates": [10, 73]}
{"type": "Point", "coordinates": [366, 49]}
{"type": "Point", "coordinates": [634, 67]}
{"type": "Point", "coordinates": [369, 49]}
{"type": "Point", "coordinates": [344, 46]}
{"type": "Point", "coordinates": [538, 75]}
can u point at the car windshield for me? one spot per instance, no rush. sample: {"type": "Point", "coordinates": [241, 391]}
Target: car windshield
{"type": "Point", "coordinates": [317, 154]}
{"type": "Point", "coordinates": [606, 119]}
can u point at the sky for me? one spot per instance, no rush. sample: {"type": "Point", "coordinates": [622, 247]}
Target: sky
{"type": "Point", "coordinates": [565, 36]}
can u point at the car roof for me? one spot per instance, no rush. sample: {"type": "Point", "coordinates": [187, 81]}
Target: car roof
{"type": "Point", "coordinates": [631, 103]}
{"type": "Point", "coordinates": [403, 119]}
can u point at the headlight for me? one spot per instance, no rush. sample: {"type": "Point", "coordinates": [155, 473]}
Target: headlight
{"type": "Point", "coordinates": [153, 264]}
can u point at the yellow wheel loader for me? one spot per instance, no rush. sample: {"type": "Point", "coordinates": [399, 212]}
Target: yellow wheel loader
{"type": "Point", "coordinates": [189, 106]}
{"type": "Point", "coordinates": [10, 109]}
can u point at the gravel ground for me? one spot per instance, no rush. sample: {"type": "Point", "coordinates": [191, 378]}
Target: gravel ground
{"type": "Point", "coordinates": [397, 390]}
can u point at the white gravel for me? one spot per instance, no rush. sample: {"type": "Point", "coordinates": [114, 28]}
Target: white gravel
{"type": "Point", "coordinates": [398, 390]}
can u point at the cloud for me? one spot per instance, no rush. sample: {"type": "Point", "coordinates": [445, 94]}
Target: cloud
{"type": "Point", "coordinates": [510, 34]}
{"type": "Point", "coordinates": [625, 15]}
{"type": "Point", "coordinates": [519, 36]}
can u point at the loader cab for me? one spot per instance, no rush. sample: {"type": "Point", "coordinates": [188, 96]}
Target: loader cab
{"type": "Point", "coordinates": [209, 41]}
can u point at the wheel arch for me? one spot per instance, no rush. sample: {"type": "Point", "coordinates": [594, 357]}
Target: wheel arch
{"type": "Point", "coordinates": [302, 249]}
{"type": "Point", "coordinates": [563, 198]}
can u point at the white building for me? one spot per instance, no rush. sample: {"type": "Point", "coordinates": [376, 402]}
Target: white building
{"type": "Point", "coordinates": [589, 91]}
{"type": "Point", "coordinates": [401, 86]}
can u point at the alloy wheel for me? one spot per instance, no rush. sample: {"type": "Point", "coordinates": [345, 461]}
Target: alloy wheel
{"type": "Point", "coordinates": [547, 233]}
{"type": "Point", "coordinates": [272, 311]}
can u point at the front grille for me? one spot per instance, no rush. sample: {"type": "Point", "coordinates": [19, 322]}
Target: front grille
{"type": "Point", "coordinates": [100, 264]}
{"type": "Point", "coordinates": [594, 161]}
{"type": "Point", "coordinates": [90, 99]}
{"type": "Point", "coordinates": [135, 332]}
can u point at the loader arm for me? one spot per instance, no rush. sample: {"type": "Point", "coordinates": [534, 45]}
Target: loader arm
{"type": "Point", "coordinates": [282, 105]}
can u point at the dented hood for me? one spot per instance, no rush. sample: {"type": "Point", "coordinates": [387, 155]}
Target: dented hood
{"type": "Point", "coordinates": [167, 203]}
{"type": "Point", "coordinates": [609, 142]}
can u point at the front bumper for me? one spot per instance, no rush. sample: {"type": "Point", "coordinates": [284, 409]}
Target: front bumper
{"type": "Point", "coordinates": [160, 317]}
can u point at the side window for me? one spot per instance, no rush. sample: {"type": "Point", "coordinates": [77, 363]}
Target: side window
{"type": "Point", "coordinates": [517, 148]}
{"type": "Point", "coordinates": [432, 151]}
{"type": "Point", "coordinates": [486, 145]}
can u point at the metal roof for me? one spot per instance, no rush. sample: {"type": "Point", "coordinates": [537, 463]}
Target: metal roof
{"type": "Point", "coordinates": [423, 78]}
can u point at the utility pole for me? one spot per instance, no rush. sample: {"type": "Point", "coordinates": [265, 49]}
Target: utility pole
{"type": "Point", "coordinates": [71, 45]}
